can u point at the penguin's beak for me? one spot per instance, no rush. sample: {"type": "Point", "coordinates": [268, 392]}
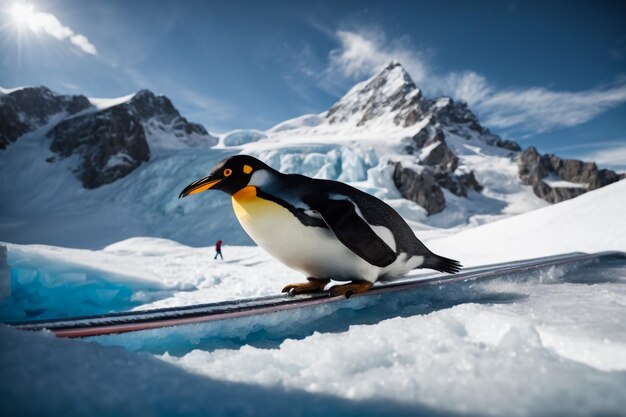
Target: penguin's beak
{"type": "Point", "coordinates": [199, 186]}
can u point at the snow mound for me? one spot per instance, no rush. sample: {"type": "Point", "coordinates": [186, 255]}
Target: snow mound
{"type": "Point", "coordinates": [4, 90]}
{"type": "Point", "coordinates": [47, 282]}
{"type": "Point", "coordinates": [242, 136]}
{"type": "Point", "coordinates": [105, 103]}
{"type": "Point", "coordinates": [87, 379]}
{"type": "Point", "coordinates": [307, 120]}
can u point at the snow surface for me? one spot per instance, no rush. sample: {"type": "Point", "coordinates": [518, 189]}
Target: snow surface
{"type": "Point", "coordinates": [105, 103]}
{"type": "Point", "coordinates": [242, 136]}
{"type": "Point", "coordinates": [550, 342]}
{"type": "Point", "coordinates": [4, 90]}
{"type": "Point", "coordinates": [503, 348]}
{"type": "Point", "coordinates": [592, 222]}
{"type": "Point", "coordinates": [555, 181]}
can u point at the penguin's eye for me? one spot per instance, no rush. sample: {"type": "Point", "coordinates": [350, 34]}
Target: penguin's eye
{"type": "Point", "coordinates": [227, 172]}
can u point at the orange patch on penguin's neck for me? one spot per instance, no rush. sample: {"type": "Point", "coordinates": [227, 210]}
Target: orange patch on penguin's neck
{"type": "Point", "coordinates": [245, 193]}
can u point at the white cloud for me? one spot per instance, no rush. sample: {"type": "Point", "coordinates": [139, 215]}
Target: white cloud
{"type": "Point", "coordinates": [41, 22]}
{"type": "Point", "coordinates": [545, 110]}
{"type": "Point", "coordinates": [84, 44]}
{"type": "Point", "coordinates": [70, 86]}
{"type": "Point", "coordinates": [611, 157]}
{"type": "Point", "coordinates": [362, 53]}
{"type": "Point", "coordinates": [591, 145]}
{"type": "Point", "coordinates": [467, 86]}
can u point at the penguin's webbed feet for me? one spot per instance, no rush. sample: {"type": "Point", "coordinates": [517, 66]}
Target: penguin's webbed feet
{"type": "Point", "coordinates": [349, 289]}
{"type": "Point", "coordinates": [314, 285]}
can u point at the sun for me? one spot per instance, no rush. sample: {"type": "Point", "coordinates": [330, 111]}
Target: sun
{"type": "Point", "coordinates": [23, 14]}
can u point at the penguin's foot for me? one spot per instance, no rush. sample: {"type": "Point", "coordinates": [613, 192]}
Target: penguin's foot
{"type": "Point", "coordinates": [349, 289]}
{"type": "Point", "coordinates": [314, 285]}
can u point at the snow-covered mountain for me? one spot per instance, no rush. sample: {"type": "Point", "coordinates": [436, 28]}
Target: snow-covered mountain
{"type": "Point", "coordinates": [92, 174]}
{"type": "Point", "coordinates": [109, 138]}
{"type": "Point", "coordinates": [25, 109]}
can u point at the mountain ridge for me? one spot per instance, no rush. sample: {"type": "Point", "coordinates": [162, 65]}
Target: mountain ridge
{"type": "Point", "coordinates": [111, 141]}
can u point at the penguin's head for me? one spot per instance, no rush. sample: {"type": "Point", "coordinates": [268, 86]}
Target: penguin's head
{"type": "Point", "coordinates": [229, 175]}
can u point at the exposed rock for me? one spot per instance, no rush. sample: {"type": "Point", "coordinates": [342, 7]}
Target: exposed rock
{"type": "Point", "coordinates": [458, 184]}
{"type": "Point", "coordinates": [442, 162]}
{"type": "Point", "coordinates": [426, 135]}
{"type": "Point", "coordinates": [26, 109]}
{"type": "Point", "coordinates": [11, 126]}
{"type": "Point", "coordinates": [420, 188]}
{"type": "Point", "coordinates": [506, 144]}
{"type": "Point", "coordinates": [442, 158]}
{"type": "Point", "coordinates": [459, 119]}
{"type": "Point", "coordinates": [556, 194]}
{"type": "Point", "coordinates": [469, 181]}
{"type": "Point", "coordinates": [534, 167]}
{"type": "Point", "coordinates": [392, 90]}
{"type": "Point", "coordinates": [150, 107]}
{"type": "Point", "coordinates": [110, 143]}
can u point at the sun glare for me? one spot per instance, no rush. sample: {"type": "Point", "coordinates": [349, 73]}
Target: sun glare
{"type": "Point", "coordinates": [22, 13]}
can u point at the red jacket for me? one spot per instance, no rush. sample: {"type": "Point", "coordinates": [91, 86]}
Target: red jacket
{"type": "Point", "coordinates": [218, 246]}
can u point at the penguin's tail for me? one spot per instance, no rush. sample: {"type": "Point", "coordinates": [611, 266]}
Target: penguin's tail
{"type": "Point", "coordinates": [441, 264]}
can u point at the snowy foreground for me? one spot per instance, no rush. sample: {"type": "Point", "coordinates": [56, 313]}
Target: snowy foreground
{"type": "Point", "coordinates": [551, 342]}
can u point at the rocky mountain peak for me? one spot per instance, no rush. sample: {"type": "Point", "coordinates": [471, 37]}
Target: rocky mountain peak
{"type": "Point", "coordinates": [108, 142]}
{"type": "Point", "coordinates": [147, 105]}
{"type": "Point", "coordinates": [389, 92]}
{"type": "Point", "coordinates": [392, 98]}
{"type": "Point", "coordinates": [26, 109]}
{"type": "Point", "coordinates": [158, 111]}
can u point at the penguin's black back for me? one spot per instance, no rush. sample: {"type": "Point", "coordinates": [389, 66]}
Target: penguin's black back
{"type": "Point", "coordinates": [376, 212]}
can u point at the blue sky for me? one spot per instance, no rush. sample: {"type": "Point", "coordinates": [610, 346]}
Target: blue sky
{"type": "Point", "coordinates": [548, 74]}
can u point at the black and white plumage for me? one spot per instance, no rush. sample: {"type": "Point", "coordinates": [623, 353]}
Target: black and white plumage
{"type": "Point", "coordinates": [323, 228]}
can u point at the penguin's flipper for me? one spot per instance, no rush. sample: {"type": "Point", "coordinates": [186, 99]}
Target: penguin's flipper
{"type": "Point", "coordinates": [354, 232]}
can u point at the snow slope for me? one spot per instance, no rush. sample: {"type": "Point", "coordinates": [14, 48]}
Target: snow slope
{"type": "Point", "coordinates": [592, 222]}
{"type": "Point", "coordinates": [48, 205]}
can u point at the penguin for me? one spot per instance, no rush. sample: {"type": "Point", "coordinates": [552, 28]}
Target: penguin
{"type": "Point", "coordinates": [322, 228]}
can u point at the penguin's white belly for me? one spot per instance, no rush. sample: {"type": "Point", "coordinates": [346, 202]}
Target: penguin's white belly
{"type": "Point", "coordinates": [314, 251]}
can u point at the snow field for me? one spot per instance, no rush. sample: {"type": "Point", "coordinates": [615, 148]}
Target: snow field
{"type": "Point", "coordinates": [534, 352]}
{"type": "Point", "coordinates": [549, 342]}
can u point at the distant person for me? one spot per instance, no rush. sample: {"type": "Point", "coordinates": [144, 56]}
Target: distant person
{"type": "Point", "coordinates": [218, 249]}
